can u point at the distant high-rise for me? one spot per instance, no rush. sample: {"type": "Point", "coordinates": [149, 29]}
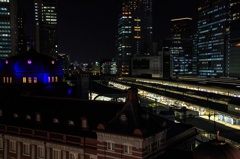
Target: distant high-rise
{"type": "Point", "coordinates": [233, 64]}
{"type": "Point", "coordinates": [46, 37]}
{"type": "Point", "coordinates": [213, 38]}
{"type": "Point", "coordinates": [134, 32]}
{"type": "Point", "coordinates": [8, 28]}
{"type": "Point", "coordinates": [180, 26]}
{"type": "Point", "coordinates": [22, 30]}
{"type": "Point", "coordinates": [180, 46]}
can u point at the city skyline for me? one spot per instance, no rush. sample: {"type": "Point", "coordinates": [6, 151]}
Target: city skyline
{"type": "Point", "coordinates": [94, 39]}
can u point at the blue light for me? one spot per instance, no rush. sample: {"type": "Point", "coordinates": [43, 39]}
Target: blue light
{"type": "Point", "coordinates": [69, 91]}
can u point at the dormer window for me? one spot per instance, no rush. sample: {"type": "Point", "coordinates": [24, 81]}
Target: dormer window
{"type": "Point", "coordinates": [38, 117]}
{"type": "Point", "coordinates": [84, 123]}
{"type": "Point", "coordinates": [15, 115]}
{"type": "Point", "coordinates": [28, 117]}
{"type": "Point", "coordinates": [71, 122]}
{"type": "Point", "coordinates": [55, 120]}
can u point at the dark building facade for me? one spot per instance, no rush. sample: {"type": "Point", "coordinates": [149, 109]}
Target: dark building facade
{"type": "Point", "coordinates": [8, 28]}
{"type": "Point", "coordinates": [46, 36]}
{"type": "Point", "coordinates": [213, 38]}
{"type": "Point", "coordinates": [134, 32]}
{"type": "Point", "coordinates": [22, 31]}
{"type": "Point", "coordinates": [179, 26]}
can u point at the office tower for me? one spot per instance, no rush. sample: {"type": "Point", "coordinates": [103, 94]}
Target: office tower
{"type": "Point", "coordinates": [22, 30]}
{"type": "Point", "coordinates": [213, 36]}
{"type": "Point", "coordinates": [46, 38]}
{"type": "Point", "coordinates": [134, 32]}
{"type": "Point", "coordinates": [180, 46]}
{"type": "Point", "coordinates": [8, 28]}
{"type": "Point", "coordinates": [180, 27]}
{"type": "Point", "coordinates": [232, 62]}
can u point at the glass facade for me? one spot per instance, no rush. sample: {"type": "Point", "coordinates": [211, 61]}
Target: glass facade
{"type": "Point", "coordinates": [46, 36]}
{"type": "Point", "coordinates": [213, 38]}
{"type": "Point", "coordinates": [232, 62]}
{"type": "Point", "coordinates": [8, 29]}
{"type": "Point", "coordinates": [134, 32]}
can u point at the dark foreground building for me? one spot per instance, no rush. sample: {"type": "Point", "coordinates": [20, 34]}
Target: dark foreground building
{"type": "Point", "coordinates": [61, 128]}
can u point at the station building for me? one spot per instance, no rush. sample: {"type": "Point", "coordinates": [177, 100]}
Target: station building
{"type": "Point", "coordinates": [30, 68]}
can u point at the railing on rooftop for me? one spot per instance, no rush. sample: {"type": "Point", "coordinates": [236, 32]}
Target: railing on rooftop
{"type": "Point", "coordinates": [43, 134]}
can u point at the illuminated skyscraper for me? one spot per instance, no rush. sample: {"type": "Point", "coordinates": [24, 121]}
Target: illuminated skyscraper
{"type": "Point", "coordinates": [233, 64]}
{"type": "Point", "coordinates": [8, 28]}
{"type": "Point", "coordinates": [134, 32]}
{"type": "Point", "coordinates": [180, 46]}
{"type": "Point", "coordinates": [213, 37]}
{"type": "Point", "coordinates": [46, 38]}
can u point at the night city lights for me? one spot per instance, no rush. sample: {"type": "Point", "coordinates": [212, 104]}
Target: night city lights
{"type": "Point", "coordinates": [131, 79]}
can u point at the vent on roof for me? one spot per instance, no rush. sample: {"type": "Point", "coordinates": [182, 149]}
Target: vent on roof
{"type": "Point", "coordinates": [15, 115]}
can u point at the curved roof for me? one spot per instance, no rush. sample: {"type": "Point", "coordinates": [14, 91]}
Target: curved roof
{"type": "Point", "coordinates": [30, 61]}
{"type": "Point", "coordinates": [216, 149]}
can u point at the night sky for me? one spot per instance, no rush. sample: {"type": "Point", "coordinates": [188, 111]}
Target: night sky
{"type": "Point", "coordinates": [87, 28]}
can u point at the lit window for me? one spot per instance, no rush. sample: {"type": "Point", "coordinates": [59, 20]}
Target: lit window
{"type": "Point", "coordinates": [28, 117]}
{"type": "Point", "coordinates": [53, 61]}
{"type": "Point", "coordinates": [40, 152]}
{"type": "Point", "coordinates": [128, 149]}
{"type": "Point", "coordinates": [26, 150]}
{"type": "Point", "coordinates": [35, 79]}
{"type": "Point", "coordinates": [12, 146]}
{"type": "Point", "coordinates": [52, 79]}
{"type": "Point", "coordinates": [56, 79]}
{"type": "Point", "coordinates": [29, 79]}
{"type": "Point", "coordinates": [24, 79]}
{"type": "Point", "coordinates": [110, 146]}
{"type": "Point", "coordinates": [4, 80]}
{"type": "Point", "coordinates": [7, 79]}
{"type": "Point", "coordinates": [49, 79]}
{"type": "Point", "coordinates": [73, 156]}
{"type": "Point", "coordinates": [15, 115]}
{"type": "Point", "coordinates": [29, 62]}
{"type": "Point", "coordinates": [137, 20]}
{"type": "Point", "coordinates": [10, 79]}
{"type": "Point", "coordinates": [6, 61]}
{"type": "Point", "coordinates": [137, 37]}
